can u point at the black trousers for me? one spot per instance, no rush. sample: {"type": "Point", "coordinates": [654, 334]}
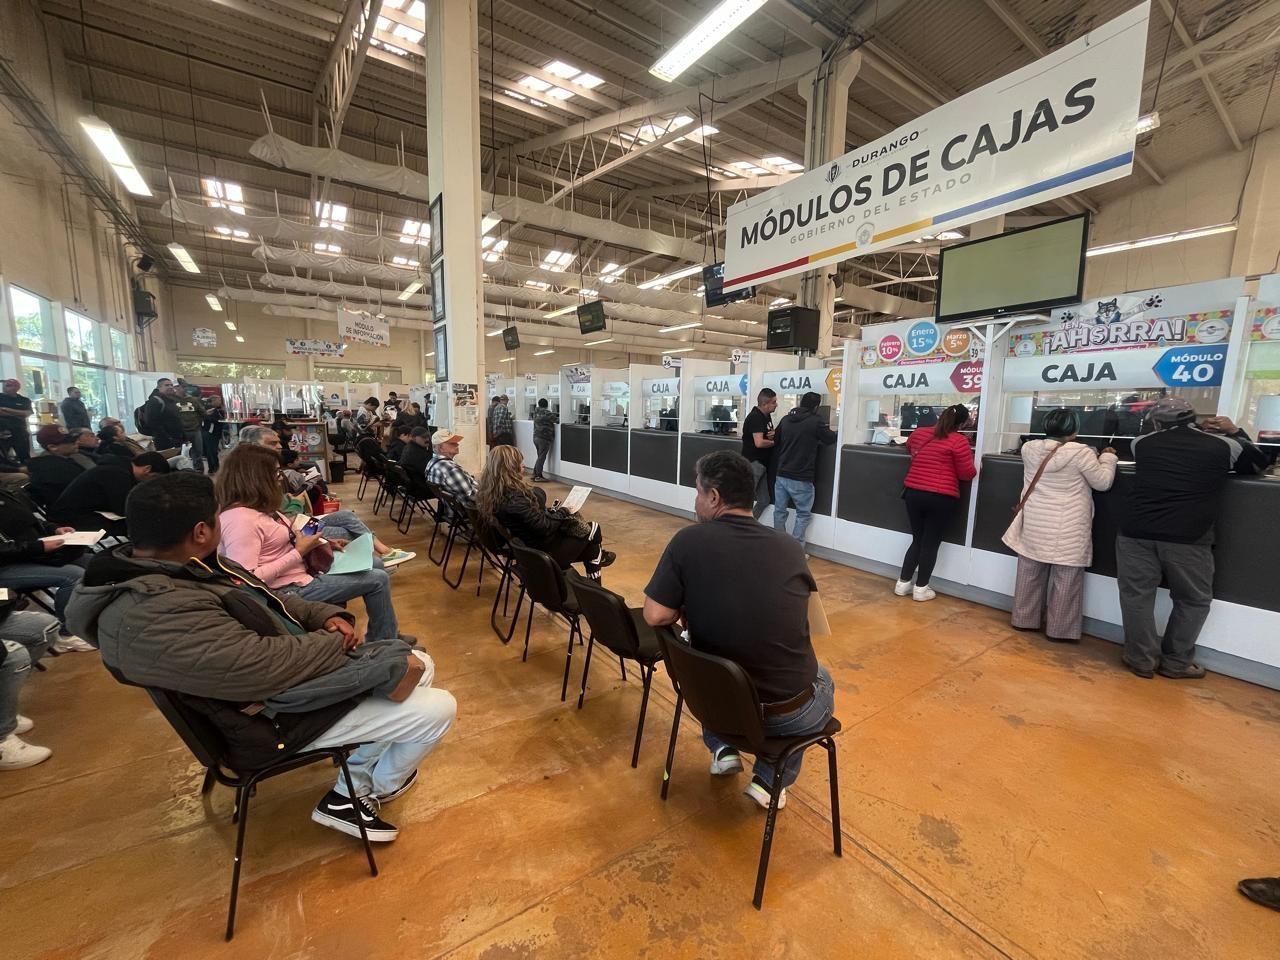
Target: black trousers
{"type": "Point", "coordinates": [568, 550]}
{"type": "Point", "coordinates": [930, 515]}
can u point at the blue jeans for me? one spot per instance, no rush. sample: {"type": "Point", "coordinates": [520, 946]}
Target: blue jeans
{"type": "Point", "coordinates": [373, 586]}
{"type": "Point", "coordinates": [798, 492]}
{"type": "Point", "coordinates": [27, 635]}
{"type": "Point", "coordinates": [38, 576]}
{"type": "Point", "coordinates": [344, 525]}
{"type": "Point", "coordinates": [809, 718]}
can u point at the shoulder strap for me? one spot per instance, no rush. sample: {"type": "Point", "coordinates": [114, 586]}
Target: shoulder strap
{"type": "Point", "coordinates": [1036, 479]}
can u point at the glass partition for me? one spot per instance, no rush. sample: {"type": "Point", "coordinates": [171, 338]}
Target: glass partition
{"type": "Point", "coordinates": [719, 403]}
{"type": "Point", "coordinates": [1260, 408]}
{"type": "Point", "coordinates": [614, 402]}
{"type": "Point", "coordinates": [660, 403]}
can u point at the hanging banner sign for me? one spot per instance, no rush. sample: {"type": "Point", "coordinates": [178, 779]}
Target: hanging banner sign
{"type": "Point", "coordinates": [203, 337]}
{"type": "Point", "coordinates": [315, 348]}
{"type": "Point", "coordinates": [1057, 126]}
{"type": "Point", "coordinates": [578, 374]}
{"type": "Point", "coordinates": [363, 328]}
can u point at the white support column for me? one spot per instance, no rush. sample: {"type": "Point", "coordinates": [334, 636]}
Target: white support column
{"type": "Point", "coordinates": [453, 152]}
{"type": "Point", "coordinates": [827, 93]}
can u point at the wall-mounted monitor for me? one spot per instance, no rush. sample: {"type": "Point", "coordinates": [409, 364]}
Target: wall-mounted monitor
{"type": "Point", "coordinates": [1023, 270]}
{"type": "Point", "coordinates": [591, 317]}
{"type": "Point", "coordinates": [713, 287]}
{"type": "Point", "coordinates": [511, 338]}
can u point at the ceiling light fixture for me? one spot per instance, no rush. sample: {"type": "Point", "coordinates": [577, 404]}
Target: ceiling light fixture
{"type": "Point", "coordinates": [950, 235]}
{"type": "Point", "coordinates": [214, 304]}
{"type": "Point", "coordinates": [1155, 241]}
{"type": "Point", "coordinates": [409, 291]}
{"type": "Point", "coordinates": [230, 325]}
{"type": "Point", "coordinates": [561, 312]}
{"type": "Point", "coordinates": [681, 326]}
{"type": "Point", "coordinates": [239, 339]}
{"type": "Point", "coordinates": [593, 343]}
{"type": "Point", "coordinates": [1146, 123]}
{"type": "Point", "coordinates": [680, 350]}
{"type": "Point", "coordinates": [113, 151]}
{"type": "Point", "coordinates": [663, 281]}
{"type": "Point", "coordinates": [180, 254]}
{"type": "Point", "coordinates": [542, 353]}
{"type": "Point", "coordinates": [431, 354]}
{"type": "Point", "coordinates": [507, 360]}
{"type": "Point", "coordinates": [713, 28]}
{"type": "Point", "coordinates": [494, 333]}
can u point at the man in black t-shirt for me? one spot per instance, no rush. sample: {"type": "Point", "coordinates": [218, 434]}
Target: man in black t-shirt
{"type": "Point", "coordinates": [14, 411]}
{"type": "Point", "coordinates": [757, 446]}
{"type": "Point", "coordinates": [701, 580]}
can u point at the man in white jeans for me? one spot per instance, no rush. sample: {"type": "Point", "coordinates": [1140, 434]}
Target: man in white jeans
{"type": "Point", "coordinates": [167, 612]}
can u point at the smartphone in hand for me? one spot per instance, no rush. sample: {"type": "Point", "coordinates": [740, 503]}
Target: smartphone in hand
{"type": "Point", "coordinates": [311, 527]}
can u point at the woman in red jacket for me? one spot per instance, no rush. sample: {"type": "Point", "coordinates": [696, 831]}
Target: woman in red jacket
{"type": "Point", "coordinates": [940, 460]}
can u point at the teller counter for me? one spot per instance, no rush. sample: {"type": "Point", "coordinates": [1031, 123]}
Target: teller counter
{"type": "Point", "coordinates": [575, 444]}
{"type": "Point", "coordinates": [609, 448]}
{"type": "Point", "coordinates": [871, 490]}
{"type": "Point", "coordinates": [695, 445]}
{"type": "Point", "coordinates": [654, 454]}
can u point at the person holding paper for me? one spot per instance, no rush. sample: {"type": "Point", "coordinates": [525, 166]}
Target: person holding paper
{"type": "Point", "coordinates": [262, 540]}
{"type": "Point", "coordinates": [104, 489]}
{"type": "Point", "coordinates": [506, 497]}
{"type": "Point", "coordinates": [699, 582]}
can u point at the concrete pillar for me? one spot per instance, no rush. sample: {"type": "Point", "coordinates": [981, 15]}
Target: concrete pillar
{"type": "Point", "coordinates": [453, 170]}
{"type": "Point", "coordinates": [1258, 236]}
{"type": "Point", "coordinates": [826, 91]}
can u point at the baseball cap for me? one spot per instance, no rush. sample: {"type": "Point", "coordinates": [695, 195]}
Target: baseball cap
{"type": "Point", "coordinates": [447, 438]}
{"type": "Point", "coordinates": [51, 434]}
{"type": "Point", "coordinates": [420, 432]}
{"type": "Point", "coordinates": [1172, 410]}
{"type": "Point", "coordinates": [13, 382]}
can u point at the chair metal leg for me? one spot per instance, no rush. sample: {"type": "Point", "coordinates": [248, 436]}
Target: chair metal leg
{"type": "Point", "coordinates": [454, 584]}
{"type": "Point", "coordinates": [242, 815]}
{"type": "Point", "coordinates": [448, 552]}
{"type": "Point", "coordinates": [351, 792]}
{"type": "Point", "coordinates": [830, 744]}
{"type": "Point", "coordinates": [568, 659]}
{"type": "Point", "coordinates": [671, 747]}
{"type": "Point", "coordinates": [431, 547]}
{"type": "Point", "coordinates": [646, 678]}
{"type": "Point", "coordinates": [623, 664]}
{"type": "Point", "coordinates": [235, 808]}
{"type": "Point", "coordinates": [774, 795]}
{"type": "Point", "coordinates": [527, 627]}
{"type": "Point", "coordinates": [209, 781]}
{"type": "Point", "coordinates": [586, 668]}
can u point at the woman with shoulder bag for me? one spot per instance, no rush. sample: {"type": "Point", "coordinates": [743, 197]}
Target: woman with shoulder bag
{"type": "Point", "coordinates": [505, 495]}
{"type": "Point", "coordinates": [941, 459]}
{"type": "Point", "coordinates": [1052, 529]}
{"type": "Point", "coordinates": [262, 540]}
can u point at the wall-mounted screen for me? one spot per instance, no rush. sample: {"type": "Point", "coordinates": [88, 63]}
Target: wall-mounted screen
{"type": "Point", "coordinates": [713, 287]}
{"type": "Point", "coordinates": [511, 338]}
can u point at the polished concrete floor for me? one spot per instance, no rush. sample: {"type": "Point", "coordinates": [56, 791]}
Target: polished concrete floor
{"type": "Point", "coordinates": [1002, 797]}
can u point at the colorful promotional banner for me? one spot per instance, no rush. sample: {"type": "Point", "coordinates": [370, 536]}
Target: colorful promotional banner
{"type": "Point", "coordinates": [912, 357]}
{"type": "Point", "coordinates": [316, 348]}
{"type": "Point", "coordinates": [1266, 309]}
{"type": "Point", "coordinates": [363, 328]}
{"type": "Point", "coordinates": [1057, 126]}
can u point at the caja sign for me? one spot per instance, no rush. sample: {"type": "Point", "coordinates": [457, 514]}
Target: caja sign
{"type": "Point", "coordinates": [669, 387]}
{"type": "Point", "coordinates": [720, 386]}
{"type": "Point", "coordinates": [1196, 365]}
{"type": "Point", "coordinates": [796, 381]}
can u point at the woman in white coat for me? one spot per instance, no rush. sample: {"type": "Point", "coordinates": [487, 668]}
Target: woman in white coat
{"type": "Point", "coordinates": [1052, 531]}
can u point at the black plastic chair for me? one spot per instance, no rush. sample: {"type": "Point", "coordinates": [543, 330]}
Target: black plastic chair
{"type": "Point", "coordinates": [459, 526]}
{"type": "Point", "coordinates": [373, 466]}
{"type": "Point", "coordinates": [203, 740]}
{"type": "Point", "coordinates": [621, 630]}
{"type": "Point", "coordinates": [545, 584]}
{"type": "Point", "coordinates": [495, 539]}
{"type": "Point", "coordinates": [723, 698]}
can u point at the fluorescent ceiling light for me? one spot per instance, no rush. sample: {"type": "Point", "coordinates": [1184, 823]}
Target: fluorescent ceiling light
{"type": "Point", "coordinates": [535, 83]}
{"type": "Point", "coordinates": [593, 343]}
{"type": "Point", "coordinates": [537, 285]}
{"type": "Point", "coordinates": [230, 325]}
{"type": "Point", "coordinates": [213, 302]}
{"type": "Point", "coordinates": [680, 350]}
{"type": "Point", "coordinates": [542, 353]}
{"type": "Point", "coordinates": [180, 254]}
{"type": "Point", "coordinates": [713, 28]}
{"type": "Point", "coordinates": [326, 248]}
{"type": "Point", "coordinates": [588, 292]}
{"type": "Point", "coordinates": [611, 273]}
{"type": "Point", "coordinates": [494, 333]}
{"type": "Point", "coordinates": [405, 262]}
{"type": "Point", "coordinates": [663, 281]}
{"type": "Point", "coordinates": [1146, 123]}
{"type": "Point", "coordinates": [507, 360]}
{"type": "Point", "coordinates": [779, 301]}
{"type": "Point", "coordinates": [680, 326]}
{"type": "Point", "coordinates": [431, 354]}
{"type": "Point", "coordinates": [561, 312]}
{"type": "Point", "coordinates": [1160, 239]}
{"type": "Point", "coordinates": [239, 339]}
{"type": "Point", "coordinates": [950, 235]}
{"type": "Point", "coordinates": [113, 151]}
{"type": "Point", "coordinates": [410, 290]}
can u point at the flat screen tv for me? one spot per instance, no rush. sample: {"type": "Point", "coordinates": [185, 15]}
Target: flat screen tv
{"type": "Point", "coordinates": [1023, 270]}
{"type": "Point", "coordinates": [713, 287]}
{"type": "Point", "coordinates": [511, 338]}
{"type": "Point", "coordinates": [591, 317]}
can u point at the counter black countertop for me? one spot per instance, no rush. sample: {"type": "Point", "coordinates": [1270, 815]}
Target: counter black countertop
{"type": "Point", "coordinates": [871, 476]}
{"type": "Point", "coordinates": [609, 448]}
{"type": "Point", "coordinates": [575, 443]}
{"type": "Point", "coordinates": [653, 454]}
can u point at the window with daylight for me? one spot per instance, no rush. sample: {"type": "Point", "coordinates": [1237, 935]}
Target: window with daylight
{"type": "Point", "coordinates": [223, 194]}
{"type": "Point", "coordinates": [120, 350]}
{"type": "Point", "coordinates": [234, 234]}
{"type": "Point", "coordinates": [92, 382]}
{"type": "Point", "coordinates": [557, 261]}
{"type": "Point", "coordinates": [327, 248]}
{"type": "Point", "coordinates": [82, 338]}
{"type": "Point", "coordinates": [405, 262]}
{"type": "Point", "coordinates": [415, 231]}
{"type": "Point", "coordinates": [332, 215]}
{"type": "Point", "coordinates": [33, 316]}
{"type": "Point", "coordinates": [359, 374]}
{"type": "Point", "coordinates": [494, 254]}
{"type": "Point", "coordinates": [611, 273]}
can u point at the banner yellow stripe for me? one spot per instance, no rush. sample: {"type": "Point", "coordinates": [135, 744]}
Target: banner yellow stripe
{"type": "Point", "coordinates": [899, 231]}
{"type": "Point", "coordinates": [832, 251]}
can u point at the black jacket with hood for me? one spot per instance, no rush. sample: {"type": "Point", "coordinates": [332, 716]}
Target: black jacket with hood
{"type": "Point", "coordinates": [796, 444]}
{"type": "Point", "coordinates": [164, 423]}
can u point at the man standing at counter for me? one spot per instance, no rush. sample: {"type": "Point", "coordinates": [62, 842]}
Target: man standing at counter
{"type": "Point", "coordinates": [1180, 470]}
{"type": "Point", "coordinates": [544, 434]}
{"type": "Point", "coordinates": [799, 436]}
{"type": "Point", "coordinates": [757, 446]}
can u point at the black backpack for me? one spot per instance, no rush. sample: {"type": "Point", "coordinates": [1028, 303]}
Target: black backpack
{"type": "Point", "coordinates": [140, 419]}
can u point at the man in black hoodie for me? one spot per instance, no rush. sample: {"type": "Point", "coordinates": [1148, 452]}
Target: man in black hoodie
{"type": "Point", "coordinates": [796, 444]}
{"type": "Point", "coordinates": [163, 421]}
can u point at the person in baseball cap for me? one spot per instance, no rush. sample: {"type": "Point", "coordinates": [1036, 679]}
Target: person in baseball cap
{"type": "Point", "coordinates": [1166, 532]}
{"type": "Point", "coordinates": [445, 472]}
{"type": "Point", "coordinates": [52, 472]}
{"type": "Point", "coordinates": [14, 411]}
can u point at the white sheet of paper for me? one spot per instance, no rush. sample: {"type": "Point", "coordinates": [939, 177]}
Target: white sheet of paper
{"type": "Point", "coordinates": [107, 514]}
{"type": "Point", "coordinates": [81, 538]}
{"type": "Point", "coordinates": [4, 593]}
{"type": "Point", "coordinates": [356, 557]}
{"type": "Point", "coordinates": [576, 498]}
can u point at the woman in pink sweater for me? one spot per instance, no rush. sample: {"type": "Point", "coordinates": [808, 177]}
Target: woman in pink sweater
{"type": "Point", "coordinates": [259, 538]}
{"type": "Point", "coordinates": [940, 461]}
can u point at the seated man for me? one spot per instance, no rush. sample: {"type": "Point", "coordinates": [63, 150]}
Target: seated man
{"type": "Point", "coordinates": [113, 442]}
{"type": "Point", "coordinates": [701, 579]}
{"type": "Point", "coordinates": [403, 432]}
{"type": "Point", "coordinates": [444, 471]}
{"type": "Point", "coordinates": [61, 462]}
{"type": "Point", "coordinates": [169, 612]}
{"type": "Point", "coordinates": [87, 443]}
{"type": "Point", "coordinates": [416, 455]}
{"type": "Point", "coordinates": [105, 488]}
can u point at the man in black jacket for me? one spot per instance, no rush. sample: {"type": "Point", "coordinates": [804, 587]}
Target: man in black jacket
{"type": "Point", "coordinates": [74, 412]}
{"type": "Point", "coordinates": [168, 612]}
{"type": "Point", "coordinates": [1167, 533]}
{"type": "Point", "coordinates": [796, 444]}
{"type": "Point", "coordinates": [164, 423]}
{"type": "Point", "coordinates": [61, 462]}
{"type": "Point", "coordinates": [105, 488]}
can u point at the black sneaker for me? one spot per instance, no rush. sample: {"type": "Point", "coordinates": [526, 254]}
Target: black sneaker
{"type": "Point", "coordinates": [399, 791]}
{"type": "Point", "coordinates": [339, 813]}
{"type": "Point", "coordinates": [606, 558]}
{"type": "Point", "coordinates": [1264, 890]}
{"type": "Point", "coordinates": [1146, 673]}
{"type": "Point", "coordinates": [1192, 671]}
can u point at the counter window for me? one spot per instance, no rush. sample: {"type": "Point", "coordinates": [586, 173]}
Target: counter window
{"type": "Point", "coordinates": [719, 404]}
{"type": "Point", "coordinates": [614, 403]}
{"type": "Point", "coordinates": [661, 399]}
{"type": "Point", "coordinates": [1260, 411]}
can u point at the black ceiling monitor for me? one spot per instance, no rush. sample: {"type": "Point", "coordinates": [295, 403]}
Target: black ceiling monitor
{"type": "Point", "coordinates": [1016, 272]}
{"type": "Point", "coordinates": [511, 338]}
{"type": "Point", "coordinates": [794, 329]}
{"type": "Point", "coordinates": [713, 287]}
{"type": "Point", "coordinates": [591, 317]}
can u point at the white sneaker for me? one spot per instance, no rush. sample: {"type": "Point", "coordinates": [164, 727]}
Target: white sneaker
{"type": "Point", "coordinates": [758, 792]}
{"type": "Point", "coordinates": [24, 724]}
{"type": "Point", "coordinates": [922, 593]}
{"type": "Point", "coordinates": [72, 645]}
{"type": "Point", "coordinates": [16, 753]}
{"type": "Point", "coordinates": [725, 761]}
{"type": "Point", "coordinates": [395, 556]}
{"type": "Point", "coordinates": [902, 588]}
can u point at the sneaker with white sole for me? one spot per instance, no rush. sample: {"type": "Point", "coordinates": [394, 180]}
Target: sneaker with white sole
{"type": "Point", "coordinates": [902, 587]}
{"type": "Point", "coordinates": [399, 791]}
{"type": "Point", "coordinates": [396, 556]}
{"type": "Point", "coordinates": [72, 644]}
{"type": "Point", "coordinates": [24, 724]}
{"type": "Point", "coordinates": [17, 754]}
{"type": "Point", "coordinates": [339, 813]}
{"type": "Point", "coordinates": [922, 593]}
{"type": "Point", "coordinates": [725, 761]}
{"type": "Point", "coordinates": [758, 791]}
